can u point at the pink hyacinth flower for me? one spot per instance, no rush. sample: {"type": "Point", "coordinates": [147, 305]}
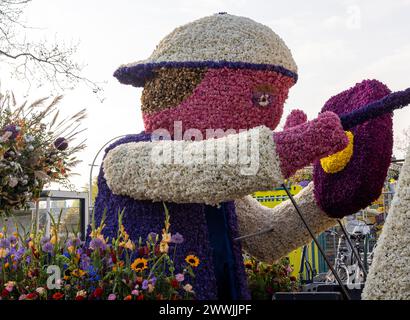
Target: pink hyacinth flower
{"type": "Point", "coordinates": [299, 146]}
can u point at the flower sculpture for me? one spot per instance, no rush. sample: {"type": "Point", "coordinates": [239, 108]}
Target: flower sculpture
{"type": "Point", "coordinates": [389, 273]}
{"type": "Point", "coordinates": [214, 91]}
{"type": "Point", "coordinates": [344, 184]}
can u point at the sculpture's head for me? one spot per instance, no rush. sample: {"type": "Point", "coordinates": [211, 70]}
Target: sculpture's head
{"type": "Point", "coordinates": [218, 72]}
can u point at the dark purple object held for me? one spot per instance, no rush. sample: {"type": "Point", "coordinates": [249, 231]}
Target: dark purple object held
{"type": "Point", "coordinates": [389, 103]}
{"type": "Point", "coordinates": [361, 181]}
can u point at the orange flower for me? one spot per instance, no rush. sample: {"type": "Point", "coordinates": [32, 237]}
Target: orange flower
{"type": "Point", "coordinates": [129, 297]}
{"type": "Point", "coordinates": [78, 273]}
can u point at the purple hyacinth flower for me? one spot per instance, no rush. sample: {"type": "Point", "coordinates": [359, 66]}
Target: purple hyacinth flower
{"type": "Point", "coordinates": [5, 243]}
{"type": "Point", "coordinates": [44, 240]}
{"type": "Point", "coordinates": [145, 284]}
{"type": "Point", "coordinates": [13, 240]}
{"type": "Point", "coordinates": [85, 262]}
{"type": "Point", "coordinates": [48, 247]}
{"type": "Point", "coordinates": [97, 243]}
{"type": "Point", "coordinates": [152, 235]}
{"type": "Point", "coordinates": [73, 242]}
{"type": "Point", "coordinates": [61, 144]}
{"type": "Point", "coordinates": [153, 281]}
{"type": "Point", "coordinates": [177, 238]}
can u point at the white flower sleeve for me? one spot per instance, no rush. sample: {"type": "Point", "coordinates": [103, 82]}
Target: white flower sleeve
{"type": "Point", "coordinates": [209, 171]}
{"type": "Point", "coordinates": [289, 233]}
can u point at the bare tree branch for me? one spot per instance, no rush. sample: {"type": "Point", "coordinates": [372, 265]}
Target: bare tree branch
{"type": "Point", "coordinates": [37, 61]}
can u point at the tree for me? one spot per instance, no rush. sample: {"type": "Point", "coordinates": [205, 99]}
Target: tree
{"type": "Point", "coordinates": [36, 61]}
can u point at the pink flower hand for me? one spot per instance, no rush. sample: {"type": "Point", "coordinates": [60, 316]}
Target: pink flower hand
{"type": "Point", "coordinates": [295, 118]}
{"type": "Point", "coordinates": [299, 146]}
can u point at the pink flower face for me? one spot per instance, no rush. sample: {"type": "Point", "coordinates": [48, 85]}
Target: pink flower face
{"type": "Point", "coordinates": [227, 99]}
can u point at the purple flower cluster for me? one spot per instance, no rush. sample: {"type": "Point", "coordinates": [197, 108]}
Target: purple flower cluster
{"type": "Point", "coordinates": [396, 100]}
{"type": "Point", "coordinates": [48, 247]}
{"type": "Point", "coordinates": [13, 129]}
{"type": "Point", "coordinates": [361, 181]}
{"type": "Point", "coordinates": [137, 75]}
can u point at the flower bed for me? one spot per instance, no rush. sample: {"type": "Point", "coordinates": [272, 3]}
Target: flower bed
{"type": "Point", "coordinates": [97, 270]}
{"type": "Point", "coordinates": [266, 279]}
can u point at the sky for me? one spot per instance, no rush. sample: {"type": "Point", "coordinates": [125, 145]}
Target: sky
{"type": "Point", "coordinates": [334, 43]}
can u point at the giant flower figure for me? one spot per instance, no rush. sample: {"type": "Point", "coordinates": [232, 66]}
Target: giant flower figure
{"type": "Point", "coordinates": [214, 91]}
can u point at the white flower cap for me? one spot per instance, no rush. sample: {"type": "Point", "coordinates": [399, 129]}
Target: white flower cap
{"type": "Point", "coordinates": [220, 40]}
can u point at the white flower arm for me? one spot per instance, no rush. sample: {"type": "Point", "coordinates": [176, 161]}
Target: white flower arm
{"type": "Point", "coordinates": [209, 171]}
{"type": "Point", "coordinates": [388, 277]}
{"type": "Point", "coordinates": [289, 233]}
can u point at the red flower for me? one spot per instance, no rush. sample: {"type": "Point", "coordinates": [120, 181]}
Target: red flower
{"type": "Point", "coordinates": [57, 296]}
{"type": "Point", "coordinates": [143, 251]}
{"type": "Point", "coordinates": [127, 298]}
{"type": "Point", "coordinates": [113, 256]}
{"type": "Point", "coordinates": [79, 298]}
{"type": "Point", "coordinates": [31, 296]}
{"type": "Point", "coordinates": [98, 292]}
{"type": "Point", "coordinates": [292, 278]}
{"type": "Point", "coordinates": [140, 297]}
{"type": "Point", "coordinates": [5, 293]}
{"type": "Point", "coordinates": [174, 284]}
{"type": "Point", "coordinates": [139, 281]}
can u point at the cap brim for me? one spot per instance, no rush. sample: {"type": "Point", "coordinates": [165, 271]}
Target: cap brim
{"type": "Point", "coordinates": [137, 74]}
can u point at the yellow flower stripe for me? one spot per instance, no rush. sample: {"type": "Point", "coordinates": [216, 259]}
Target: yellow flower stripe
{"type": "Point", "coordinates": [338, 161]}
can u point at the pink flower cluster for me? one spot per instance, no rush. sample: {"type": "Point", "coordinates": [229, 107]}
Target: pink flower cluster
{"type": "Point", "coordinates": [299, 146]}
{"type": "Point", "coordinates": [295, 118]}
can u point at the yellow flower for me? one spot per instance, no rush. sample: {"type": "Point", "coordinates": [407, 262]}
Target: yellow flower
{"type": "Point", "coordinates": [1, 235]}
{"type": "Point", "coordinates": [248, 264]}
{"type": "Point", "coordinates": [188, 288]}
{"type": "Point", "coordinates": [53, 239]}
{"type": "Point", "coordinates": [6, 265]}
{"type": "Point", "coordinates": [127, 245]}
{"type": "Point", "coordinates": [71, 249]}
{"type": "Point", "coordinates": [124, 233]}
{"type": "Point", "coordinates": [192, 260]}
{"type": "Point", "coordinates": [78, 273]}
{"type": "Point", "coordinates": [163, 247]}
{"type": "Point", "coordinates": [3, 252]}
{"type": "Point", "coordinates": [166, 237]}
{"type": "Point", "coordinates": [338, 161]}
{"type": "Point", "coordinates": [81, 293]}
{"type": "Point", "coordinates": [119, 264]}
{"type": "Point", "coordinates": [139, 264]}
{"type": "Point", "coordinates": [97, 232]}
